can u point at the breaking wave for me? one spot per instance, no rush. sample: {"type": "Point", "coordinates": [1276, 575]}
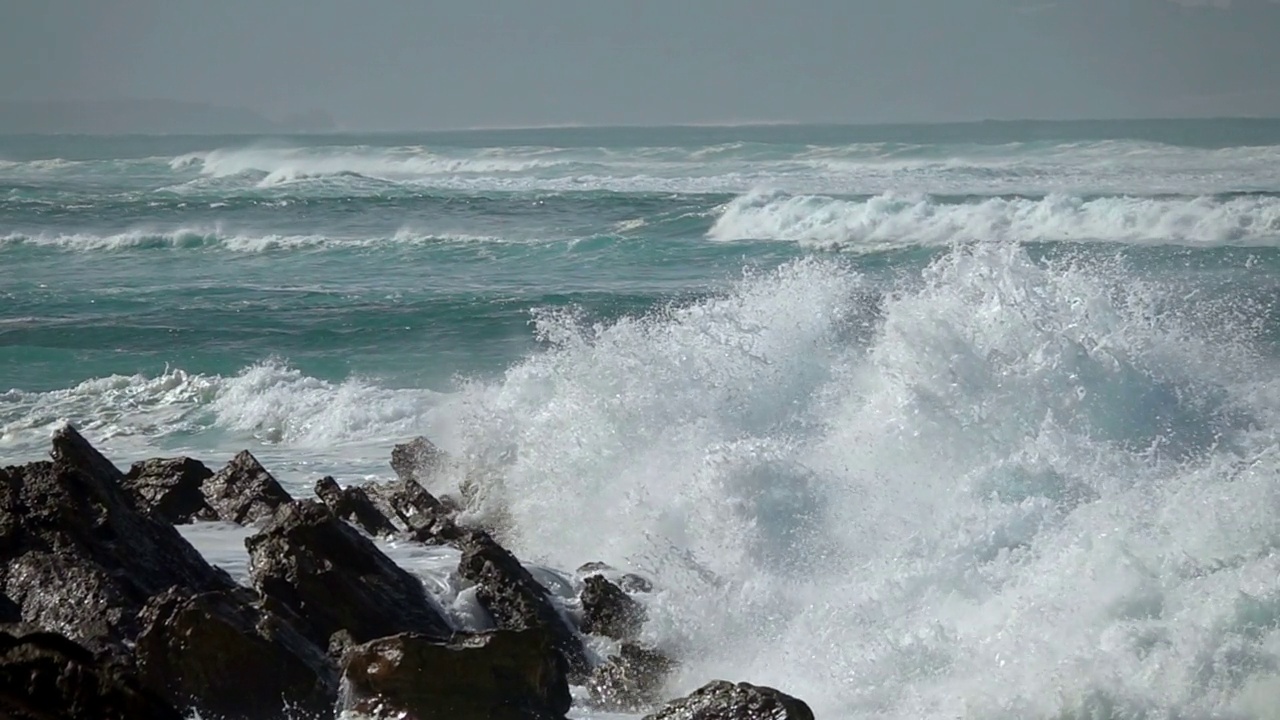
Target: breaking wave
{"type": "Point", "coordinates": [1005, 488]}
{"type": "Point", "coordinates": [897, 220]}
{"type": "Point", "coordinates": [197, 238]}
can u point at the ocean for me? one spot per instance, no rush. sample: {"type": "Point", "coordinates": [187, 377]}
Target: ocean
{"type": "Point", "coordinates": [945, 421]}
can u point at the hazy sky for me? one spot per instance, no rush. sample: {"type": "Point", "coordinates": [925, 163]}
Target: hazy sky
{"type": "Point", "coordinates": [385, 64]}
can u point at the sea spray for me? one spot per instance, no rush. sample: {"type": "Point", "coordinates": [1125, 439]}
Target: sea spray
{"type": "Point", "coordinates": [990, 510]}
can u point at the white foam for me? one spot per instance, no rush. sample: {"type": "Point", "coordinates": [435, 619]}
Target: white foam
{"type": "Point", "coordinates": [1026, 496]}
{"type": "Point", "coordinates": [1115, 167]}
{"type": "Point", "coordinates": [896, 220]}
{"type": "Point", "coordinates": [1006, 489]}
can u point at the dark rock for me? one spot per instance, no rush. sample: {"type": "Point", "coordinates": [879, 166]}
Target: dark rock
{"type": "Point", "coordinates": [629, 582]}
{"type": "Point", "coordinates": [594, 568]}
{"type": "Point", "coordinates": [72, 450]}
{"type": "Point", "coordinates": [195, 648]}
{"type": "Point", "coordinates": [414, 505]}
{"type": "Point", "coordinates": [511, 595]}
{"type": "Point", "coordinates": [340, 645]}
{"type": "Point", "coordinates": [354, 505]}
{"type": "Point", "coordinates": [720, 700]}
{"type": "Point", "coordinates": [324, 570]}
{"type": "Point", "coordinates": [76, 555]}
{"type": "Point", "coordinates": [45, 676]}
{"type": "Point", "coordinates": [244, 492]}
{"type": "Point", "coordinates": [169, 489]}
{"type": "Point", "coordinates": [500, 675]}
{"type": "Point", "coordinates": [608, 611]}
{"type": "Point", "coordinates": [630, 681]}
{"type": "Point", "coordinates": [416, 459]}
{"type": "Point", "coordinates": [633, 583]}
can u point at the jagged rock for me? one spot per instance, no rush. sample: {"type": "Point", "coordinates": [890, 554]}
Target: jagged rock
{"type": "Point", "coordinates": [506, 590]}
{"type": "Point", "coordinates": [45, 676]}
{"type": "Point", "coordinates": [500, 675]}
{"type": "Point", "coordinates": [594, 568]}
{"type": "Point", "coordinates": [633, 583]}
{"type": "Point", "coordinates": [720, 700]}
{"type": "Point", "coordinates": [244, 492]}
{"type": "Point", "coordinates": [194, 648]}
{"type": "Point", "coordinates": [630, 681]}
{"type": "Point", "coordinates": [78, 557]}
{"type": "Point", "coordinates": [354, 505]}
{"type": "Point", "coordinates": [629, 582]}
{"type": "Point", "coordinates": [169, 489]}
{"type": "Point", "coordinates": [327, 572]}
{"type": "Point", "coordinates": [415, 506]}
{"type": "Point", "coordinates": [608, 611]}
{"type": "Point", "coordinates": [416, 459]}
{"type": "Point", "coordinates": [513, 597]}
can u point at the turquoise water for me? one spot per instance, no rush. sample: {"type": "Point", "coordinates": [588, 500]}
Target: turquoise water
{"type": "Point", "coordinates": [973, 420]}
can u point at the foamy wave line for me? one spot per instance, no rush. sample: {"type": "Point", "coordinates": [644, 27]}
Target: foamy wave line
{"type": "Point", "coordinates": [269, 401]}
{"type": "Point", "coordinates": [283, 165]}
{"type": "Point", "coordinates": [893, 220]}
{"type": "Point", "coordinates": [214, 239]}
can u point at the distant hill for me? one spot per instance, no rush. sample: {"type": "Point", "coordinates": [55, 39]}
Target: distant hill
{"type": "Point", "coordinates": [162, 117]}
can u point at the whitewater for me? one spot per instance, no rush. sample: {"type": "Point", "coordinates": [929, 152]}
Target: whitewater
{"type": "Point", "coordinates": [968, 421]}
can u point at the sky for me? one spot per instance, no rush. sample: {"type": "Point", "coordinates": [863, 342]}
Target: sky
{"type": "Point", "coordinates": [425, 64]}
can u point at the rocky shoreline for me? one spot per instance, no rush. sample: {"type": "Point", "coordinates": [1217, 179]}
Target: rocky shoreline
{"type": "Point", "coordinates": [106, 611]}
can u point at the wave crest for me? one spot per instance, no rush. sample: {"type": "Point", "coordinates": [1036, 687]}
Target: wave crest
{"type": "Point", "coordinates": [897, 220]}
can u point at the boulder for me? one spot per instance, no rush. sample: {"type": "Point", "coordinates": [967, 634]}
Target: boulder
{"type": "Point", "coordinates": [244, 492]}
{"type": "Point", "coordinates": [630, 681]}
{"type": "Point", "coordinates": [720, 700]}
{"type": "Point", "coordinates": [356, 506]}
{"type": "Point", "coordinates": [416, 459]}
{"type": "Point", "coordinates": [169, 489]}
{"type": "Point", "coordinates": [608, 611]}
{"type": "Point", "coordinates": [514, 599]}
{"type": "Point", "coordinates": [324, 570]}
{"type": "Point", "coordinates": [194, 648]}
{"type": "Point", "coordinates": [78, 557]}
{"type": "Point", "coordinates": [499, 675]}
{"type": "Point", "coordinates": [45, 676]}
{"type": "Point", "coordinates": [630, 582]}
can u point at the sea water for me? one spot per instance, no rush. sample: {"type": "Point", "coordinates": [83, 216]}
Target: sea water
{"type": "Point", "coordinates": [971, 421]}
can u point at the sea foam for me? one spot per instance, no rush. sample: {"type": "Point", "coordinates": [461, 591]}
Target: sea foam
{"type": "Point", "coordinates": [901, 220]}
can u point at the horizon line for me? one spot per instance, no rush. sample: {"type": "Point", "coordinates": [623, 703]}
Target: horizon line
{"type": "Point", "coordinates": [709, 125]}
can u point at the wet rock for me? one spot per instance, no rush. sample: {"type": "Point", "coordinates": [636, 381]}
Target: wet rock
{"type": "Point", "coordinates": [630, 681]}
{"type": "Point", "coordinates": [720, 700]}
{"type": "Point", "coordinates": [633, 583]}
{"type": "Point", "coordinates": [354, 505]}
{"type": "Point", "coordinates": [194, 648]}
{"type": "Point", "coordinates": [416, 459]}
{"type": "Point", "coordinates": [594, 568]}
{"type": "Point", "coordinates": [630, 582]}
{"type": "Point", "coordinates": [244, 492]}
{"type": "Point", "coordinates": [500, 675]}
{"type": "Point", "coordinates": [510, 594]}
{"type": "Point", "coordinates": [324, 570]}
{"type": "Point", "coordinates": [45, 676]}
{"type": "Point", "coordinates": [78, 557]}
{"type": "Point", "coordinates": [170, 489]}
{"type": "Point", "coordinates": [608, 611]}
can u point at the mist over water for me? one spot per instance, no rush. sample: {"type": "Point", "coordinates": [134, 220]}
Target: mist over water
{"type": "Point", "coordinates": [906, 427]}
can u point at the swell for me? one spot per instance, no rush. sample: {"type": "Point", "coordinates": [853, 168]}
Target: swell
{"type": "Point", "coordinates": [896, 220]}
{"type": "Point", "coordinates": [869, 223]}
{"type": "Point", "coordinates": [1005, 486]}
